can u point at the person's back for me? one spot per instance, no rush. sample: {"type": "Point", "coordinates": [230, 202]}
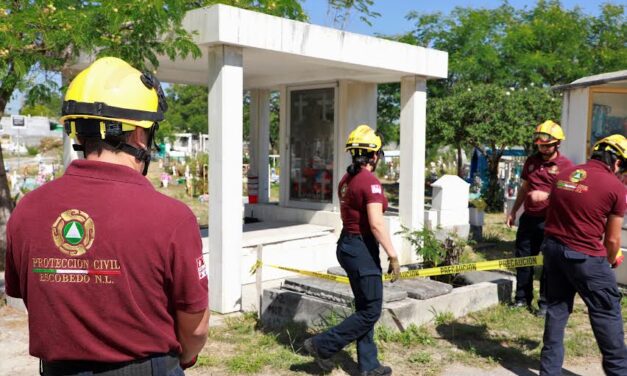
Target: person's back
{"type": "Point", "coordinates": [110, 270]}
{"type": "Point", "coordinates": [356, 192]}
{"type": "Point", "coordinates": [582, 244]}
{"type": "Point", "coordinates": [100, 278]}
{"type": "Point", "coordinates": [583, 198]}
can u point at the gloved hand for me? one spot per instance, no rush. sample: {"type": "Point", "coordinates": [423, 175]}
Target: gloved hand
{"type": "Point", "coordinates": [619, 259]}
{"type": "Point", "coordinates": [394, 268]}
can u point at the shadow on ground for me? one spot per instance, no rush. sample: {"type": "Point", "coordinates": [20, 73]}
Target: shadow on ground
{"type": "Point", "coordinates": [292, 337]}
{"type": "Point", "coordinates": [475, 339]}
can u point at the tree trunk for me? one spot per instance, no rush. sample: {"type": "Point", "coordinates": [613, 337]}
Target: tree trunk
{"type": "Point", "coordinates": [6, 202]}
{"type": "Point", "coordinates": [459, 161]}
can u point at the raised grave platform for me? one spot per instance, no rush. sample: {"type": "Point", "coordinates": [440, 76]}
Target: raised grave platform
{"type": "Point", "coordinates": [311, 302]}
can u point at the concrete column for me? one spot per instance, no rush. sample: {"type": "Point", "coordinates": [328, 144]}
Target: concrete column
{"type": "Point", "coordinates": [357, 104]}
{"type": "Point", "coordinates": [284, 148]}
{"type": "Point", "coordinates": [225, 177]}
{"type": "Point", "coordinates": [413, 134]}
{"type": "Point", "coordinates": [68, 152]}
{"type": "Point", "coordinates": [260, 140]}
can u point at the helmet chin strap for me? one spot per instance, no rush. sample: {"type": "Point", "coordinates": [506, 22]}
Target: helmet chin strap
{"type": "Point", "coordinates": [141, 154]}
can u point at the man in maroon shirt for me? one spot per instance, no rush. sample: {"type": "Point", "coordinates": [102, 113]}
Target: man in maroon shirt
{"type": "Point", "coordinates": [583, 237]}
{"type": "Point", "coordinates": [538, 176]}
{"type": "Point", "coordinates": [111, 271]}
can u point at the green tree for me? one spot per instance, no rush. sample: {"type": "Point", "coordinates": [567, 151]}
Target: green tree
{"type": "Point", "coordinates": [48, 36]}
{"type": "Point", "coordinates": [490, 118]}
{"type": "Point", "coordinates": [43, 104]}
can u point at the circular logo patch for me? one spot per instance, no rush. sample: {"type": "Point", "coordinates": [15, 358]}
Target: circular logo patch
{"type": "Point", "coordinates": [578, 175]}
{"type": "Point", "coordinates": [73, 232]}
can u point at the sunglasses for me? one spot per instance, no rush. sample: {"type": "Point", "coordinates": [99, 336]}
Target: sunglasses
{"type": "Point", "coordinates": [543, 137]}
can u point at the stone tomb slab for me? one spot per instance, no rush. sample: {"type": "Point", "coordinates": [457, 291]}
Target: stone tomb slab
{"type": "Point", "coordinates": [421, 288]}
{"type": "Point", "coordinates": [416, 288]}
{"type": "Point", "coordinates": [335, 291]}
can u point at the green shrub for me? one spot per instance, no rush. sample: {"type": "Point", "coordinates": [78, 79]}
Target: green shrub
{"type": "Point", "coordinates": [32, 150]}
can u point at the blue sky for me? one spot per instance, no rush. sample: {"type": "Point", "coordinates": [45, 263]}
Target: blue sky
{"type": "Point", "coordinates": [392, 20]}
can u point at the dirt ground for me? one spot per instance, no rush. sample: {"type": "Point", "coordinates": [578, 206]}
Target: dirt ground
{"type": "Point", "coordinates": [15, 359]}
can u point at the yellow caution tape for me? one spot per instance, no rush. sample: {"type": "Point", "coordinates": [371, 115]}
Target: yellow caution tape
{"type": "Point", "coordinates": [518, 262]}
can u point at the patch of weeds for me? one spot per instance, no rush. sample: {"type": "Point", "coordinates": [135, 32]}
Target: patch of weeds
{"type": "Point", "coordinates": [332, 319]}
{"type": "Point", "coordinates": [413, 335]}
{"type": "Point", "coordinates": [421, 357]}
{"type": "Point", "coordinates": [580, 343]}
{"type": "Point", "coordinates": [207, 361]}
{"type": "Point", "coordinates": [491, 236]}
{"type": "Point", "coordinates": [443, 318]}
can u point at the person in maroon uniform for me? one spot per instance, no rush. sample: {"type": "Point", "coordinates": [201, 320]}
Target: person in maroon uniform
{"type": "Point", "coordinates": [362, 204]}
{"type": "Point", "coordinates": [583, 237]}
{"type": "Point", "coordinates": [111, 271]}
{"type": "Point", "coordinates": [538, 175]}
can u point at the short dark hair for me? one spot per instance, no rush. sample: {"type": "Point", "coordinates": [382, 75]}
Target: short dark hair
{"type": "Point", "coordinates": [98, 145]}
{"type": "Point", "coordinates": [606, 157]}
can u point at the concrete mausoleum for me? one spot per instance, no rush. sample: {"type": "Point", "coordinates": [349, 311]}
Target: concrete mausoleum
{"type": "Point", "coordinates": [327, 83]}
{"type": "Point", "coordinates": [595, 107]}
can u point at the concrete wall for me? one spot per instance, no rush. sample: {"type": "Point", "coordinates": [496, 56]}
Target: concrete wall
{"type": "Point", "coordinates": [575, 124]}
{"type": "Point", "coordinates": [35, 128]}
{"type": "Point", "coordinates": [314, 254]}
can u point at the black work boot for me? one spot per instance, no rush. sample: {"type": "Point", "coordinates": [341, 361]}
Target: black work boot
{"type": "Point", "coordinates": [324, 364]}
{"type": "Point", "coordinates": [379, 371]}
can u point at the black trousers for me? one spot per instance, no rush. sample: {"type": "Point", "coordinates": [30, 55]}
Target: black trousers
{"type": "Point", "coordinates": [569, 272]}
{"type": "Point", "coordinates": [158, 365]}
{"type": "Point", "coordinates": [529, 239]}
{"type": "Point", "coordinates": [360, 258]}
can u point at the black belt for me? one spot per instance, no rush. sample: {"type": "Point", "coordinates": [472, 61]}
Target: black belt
{"type": "Point", "coordinates": [350, 235]}
{"type": "Point", "coordinates": [159, 365]}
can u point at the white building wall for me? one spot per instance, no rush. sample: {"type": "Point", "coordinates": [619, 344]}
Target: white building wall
{"type": "Point", "coordinates": [575, 124]}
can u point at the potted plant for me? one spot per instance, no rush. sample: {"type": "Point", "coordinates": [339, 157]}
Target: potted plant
{"type": "Point", "coordinates": [476, 209]}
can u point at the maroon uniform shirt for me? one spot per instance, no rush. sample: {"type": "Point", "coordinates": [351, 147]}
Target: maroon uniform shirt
{"type": "Point", "coordinates": [355, 193]}
{"type": "Point", "coordinates": [583, 198]}
{"type": "Point", "coordinates": [540, 175]}
{"type": "Point", "coordinates": [103, 261]}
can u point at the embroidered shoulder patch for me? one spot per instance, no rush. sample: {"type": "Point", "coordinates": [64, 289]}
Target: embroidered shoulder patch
{"type": "Point", "coordinates": [202, 269]}
{"type": "Point", "coordinates": [375, 189]}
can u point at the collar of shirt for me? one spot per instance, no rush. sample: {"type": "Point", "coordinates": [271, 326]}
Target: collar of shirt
{"type": "Point", "coordinates": [106, 171]}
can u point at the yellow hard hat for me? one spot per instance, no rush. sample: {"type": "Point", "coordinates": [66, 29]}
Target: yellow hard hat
{"type": "Point", "coordinates": [363, 138]}
{"type": "Point", "coordinates": [111, 94]}
{"type": "Point", "coordinates": [547, 133]}
{"type": "Point", "coordinates": [616, 144]}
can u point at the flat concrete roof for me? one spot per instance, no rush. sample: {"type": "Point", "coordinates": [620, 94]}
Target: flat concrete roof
{"type": "Point", "coordinates": [618, 78]}
{"type": "Point", "coordinates": [279, 51]}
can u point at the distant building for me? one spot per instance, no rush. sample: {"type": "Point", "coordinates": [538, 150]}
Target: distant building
{"type": "Point", "coordinates": [27, 130]}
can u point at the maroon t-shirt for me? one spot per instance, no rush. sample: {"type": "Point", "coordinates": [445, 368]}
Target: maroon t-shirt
{"type": "Point", "coordinates": [540, 175]}
{"type": "Point", "coordinates": [583, 198]}
{"type": "Point", "coordinates": [355, 193]}
{"type": "Point", "coordinates": [103, 261]}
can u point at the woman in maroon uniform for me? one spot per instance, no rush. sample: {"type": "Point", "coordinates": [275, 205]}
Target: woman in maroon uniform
{"type": "Point", "coordinates": [362, 204]}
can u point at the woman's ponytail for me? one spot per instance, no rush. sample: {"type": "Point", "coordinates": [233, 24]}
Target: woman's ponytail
{"type": "Point", "coordinates": [358, 162]}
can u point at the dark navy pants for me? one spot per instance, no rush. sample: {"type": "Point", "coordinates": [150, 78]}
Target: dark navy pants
{"type": "Point", "coordinates": [529, 239]}
{"type": "Point", "coordinates": [360, 258]}
{"type": "Point", "coordinates": [569, 272]}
